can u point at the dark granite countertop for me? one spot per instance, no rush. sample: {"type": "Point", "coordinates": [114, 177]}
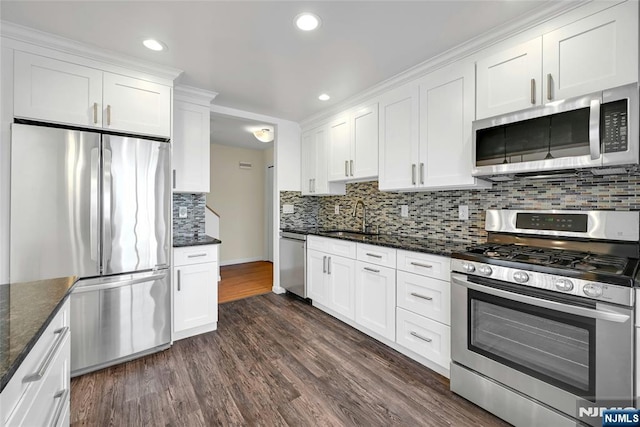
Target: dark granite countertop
{"type": "Point", "coordinates": [181, 241]}
{"type": "Point", "coordinates": [444, 247]}
{"type": "Point", "coordinates": [26, 309]}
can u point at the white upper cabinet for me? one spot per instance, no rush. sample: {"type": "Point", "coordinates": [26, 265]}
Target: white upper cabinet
{"type": "Point", "coordinates": [353, 145]}
{"type": "Point", "coordinates": [510, 80]}
{"type": "Point", "coordinates": [58, 91]}
{"type": "Point", "coordinates": [588, 55]}
{"type": "Point", "coordinates": [399, 139]}
{"type": "Point", "coordinates": [191, 118]}
{"type": "Point", "coordinates": [314, 160]}
{"type": "Point", "coordinates": [595, 53]}
{"type": "Point", "coordinates": [446, 114]}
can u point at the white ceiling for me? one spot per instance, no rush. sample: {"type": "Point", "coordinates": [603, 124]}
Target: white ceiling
{"type": "Point", "coordinates": [236, 131]}
{"type": "Point", "coordinates": [250, 52]}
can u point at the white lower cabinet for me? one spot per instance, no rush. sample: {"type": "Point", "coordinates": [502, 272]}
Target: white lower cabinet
{"type": "Point", "coordinates": [195, 290]}
{"type": "Point", "coordinates": [425, 337]}
{"type": "Point", "coordinates": [376, 298]}
{"type": "Point", "coordinates": [30, 399]}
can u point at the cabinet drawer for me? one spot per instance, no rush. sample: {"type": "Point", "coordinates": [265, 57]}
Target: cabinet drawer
{"type": "Point", "coordinates": [424, 264]}
{"type": "Point", "coordinates": [428, 338]}
{"type": "Point", "coordinates": [195, 255]}
{"type": "Point", "coordinates": [18, 394]}
{"type": "Point", "coordinates": [425, 296]}
{"type": "Point", "coordinates": [377, 255]}
{"type": "Point", "coordinates": [332, 246]}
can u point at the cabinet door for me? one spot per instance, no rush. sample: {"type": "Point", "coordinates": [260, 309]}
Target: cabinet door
{"type": "Point", "coordinates": [339, 147]}
{"type": "Point", "coordinates": [320, 180]}
{"type": "Point", "coordinates": [138, 106]}
{"type": "Point", "coordinates": [341, 273]}
{"type": "Point", "coordinates": [308, 157]}
{"type": "Point", "coordinates": [510, 80]}
{"type": "Point", "coordinates": [376, 299]}
{"type": "Point", "coordinates": [57, 91]}
{"type": "Point", "coordinates": [191, 147]}
{"type": "Point", "coordinates": [399, 138]}
{"type": "Point", "coordinates": [195, 296]}
{"type": "Point", "coordinates": [364, 142]}
{"type": "Point", "coordinates": [592, 54]}
{"type": "Point", "coordinates": [446, 113]}
{"type": "Point", "coordinates": [316, 276]}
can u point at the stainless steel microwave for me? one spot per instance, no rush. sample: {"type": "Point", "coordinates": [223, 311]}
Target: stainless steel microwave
{"type": "Point", "coordinates": [593, 131]}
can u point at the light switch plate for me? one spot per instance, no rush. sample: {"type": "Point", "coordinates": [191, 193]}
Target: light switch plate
{"type": "Point", "coordinates": [404, 211]}
{"type": "Point", "coordinates": [182, 212]}
{"type": "Point", "coordinates": [288, 209]}
{"type": "Point", "coordinates": [463, 212]}
{"type": "Point", "coordinates": [336, 209]}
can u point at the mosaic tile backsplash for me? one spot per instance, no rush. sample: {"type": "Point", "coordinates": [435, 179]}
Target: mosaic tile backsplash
{"type": "Point", "coordinates": [193, 224]}
{"type": "Point", "coordinates": [435, 214]}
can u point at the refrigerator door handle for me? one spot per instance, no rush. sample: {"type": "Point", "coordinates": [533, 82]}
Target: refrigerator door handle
{"type": "Point", "coordinates": [94, 208]}
{"type": "Point", "coordinates": [106, 207]}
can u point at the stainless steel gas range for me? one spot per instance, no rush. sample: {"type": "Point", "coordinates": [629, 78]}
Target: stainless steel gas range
{"type": "Point", "coordinates": [542, 316]}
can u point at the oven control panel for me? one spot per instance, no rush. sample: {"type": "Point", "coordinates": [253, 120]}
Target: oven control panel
{"type": "Point", "coordinates": [578, 287]}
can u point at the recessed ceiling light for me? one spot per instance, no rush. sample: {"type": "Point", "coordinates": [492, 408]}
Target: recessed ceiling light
{"type": "Point", "coordinates": [154, 44]}
{"type": "Point", "coordinates": [307, 21]}
{"type": "Point", "coordinates": [324, 97]}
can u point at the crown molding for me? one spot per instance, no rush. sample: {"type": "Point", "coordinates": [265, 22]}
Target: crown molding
{"type": "Point", "coordinates": [38, 38]}
{"type": "Point", "coordinates": [193, 94]}
{"type": "Point", "coordinates": [507, 30]}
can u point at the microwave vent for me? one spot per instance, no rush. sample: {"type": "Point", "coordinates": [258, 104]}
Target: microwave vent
{"type": "Point", "coordinates": [499, 178]}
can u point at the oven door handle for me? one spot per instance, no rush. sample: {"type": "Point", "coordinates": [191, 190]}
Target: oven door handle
{"type": "Point", "coordinates": [600, 314]}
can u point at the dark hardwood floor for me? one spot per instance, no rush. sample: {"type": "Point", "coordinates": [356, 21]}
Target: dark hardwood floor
{"type": "Point", "coordinates": [245, 280]}
{"type": "Point", "coordinates": [273, 361]}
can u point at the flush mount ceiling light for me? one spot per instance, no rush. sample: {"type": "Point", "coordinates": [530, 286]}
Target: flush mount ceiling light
{"type": "Point", "coordinates": [307, 21]}
{"type": "Point", "coordinates": [324, 97]}
{"type": "Point", "coordinates": [263, 135]}
{"type": "Point", "coordinates": [154, 44]}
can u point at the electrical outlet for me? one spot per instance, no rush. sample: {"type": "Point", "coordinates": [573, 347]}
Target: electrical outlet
{"type": "Point", "coordinates": [288, 209]}
{"type": "Point", "coordinates": [404, 211]}
{"type": "Point", "coordinates": [463, 212]}
{"type": "Point", "coordinates": [182, 212]}
{"type": "Point", "coordinates": [336, 210]}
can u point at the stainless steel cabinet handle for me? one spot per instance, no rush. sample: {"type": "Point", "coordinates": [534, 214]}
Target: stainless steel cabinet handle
{"type": "Point", "coordinates": [413, 174]}
{"type": "Point", "coordinates": [324, 264]}
{"type": "Point", "coordinates": [549, 83]}
{"type": "Point", "coordinates": [95, 112]}
{"type": "Point", "coordinates": [44, 366]}
{"type": "Point", "coordinates": [346, 168]}
{"type": "Point", "coordinates": [351, 166]}
{"type": "Point", "coordinates": [420, 337]}
{"type": "Point", "coordinates": [174, 178]}
{"type": "Point", "coordinates": [314, 184]}
{"type": "Point", "coordinates": [533, 91]}
{"type": "Point", "coordinates": [108, 115]}
{"type": "Point", "coordinates": [63, 395]}
{"type": "Point", "coordinates": [374, 255]}
{"type": "Point", "coordinates": [196, 255]}
{"type": "Point", "coordinates": [421, 173]}
{"type": "Point", "coordinates": [329, 265]}
{"type": "Point", "coordinates": [179, 279]}
{"type": "Point", "coordinates": [418, 264]}
{"type": "Point", "coordinates": [373, 270]}
{"type": "Point", "coordinates": [421, 296]}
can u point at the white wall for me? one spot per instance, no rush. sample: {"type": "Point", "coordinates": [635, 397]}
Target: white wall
{"type": "Point", "coordinates": [287, 164]}
{"type": "Point", "coordinates": [237, 194]}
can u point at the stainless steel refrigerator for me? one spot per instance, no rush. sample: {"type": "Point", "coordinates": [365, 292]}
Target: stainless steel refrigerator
{"type": "Point", "coordinates": [96, 206]}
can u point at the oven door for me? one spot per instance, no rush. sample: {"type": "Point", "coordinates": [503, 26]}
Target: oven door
{"type": "Point", "coordinates": [557, 350]}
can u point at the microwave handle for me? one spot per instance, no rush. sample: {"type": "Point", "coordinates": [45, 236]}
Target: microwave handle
{"type": "Point", "coordinates": [594, 129]}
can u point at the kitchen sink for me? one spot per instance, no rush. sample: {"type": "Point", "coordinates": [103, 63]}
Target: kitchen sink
{"type": "Point", "coordinates": [355, 235]}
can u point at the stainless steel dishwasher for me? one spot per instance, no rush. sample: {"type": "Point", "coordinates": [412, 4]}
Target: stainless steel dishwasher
{"type": "Point", "coordinates": [293, 262]}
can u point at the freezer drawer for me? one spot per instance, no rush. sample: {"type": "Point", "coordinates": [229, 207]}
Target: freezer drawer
{"type": "Point", "coordinates": [115, 319]}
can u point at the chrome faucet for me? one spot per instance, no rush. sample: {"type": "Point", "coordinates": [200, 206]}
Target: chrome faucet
{"type": "Point", "coordinates": [364, 214]}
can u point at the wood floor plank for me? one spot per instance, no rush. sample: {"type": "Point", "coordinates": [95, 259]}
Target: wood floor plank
{"type": "Point", "coordinates": [245, 280]}
{"type": "Point", "coordinates": [274, 361]}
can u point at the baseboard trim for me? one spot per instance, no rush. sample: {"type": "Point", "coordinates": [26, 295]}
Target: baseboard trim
{"type": "Point", "coordinates": [240, 261]}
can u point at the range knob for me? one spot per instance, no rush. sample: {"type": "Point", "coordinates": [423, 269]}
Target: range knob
{"type": "Point", "coordinates": [563, 285]}
{"type": "Point", "coordinates": [485, 269]}
{"type": "Point", "coordinates": [592, 290]}
{"type": "Point", "coordinates": [469, 268]}
{"type": "Point", "coordinates": [520, 277]}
